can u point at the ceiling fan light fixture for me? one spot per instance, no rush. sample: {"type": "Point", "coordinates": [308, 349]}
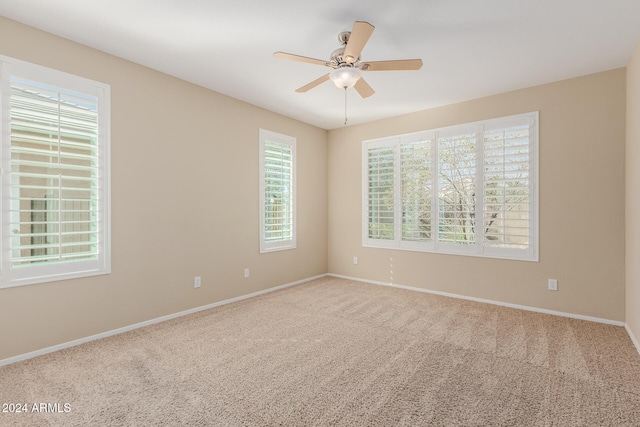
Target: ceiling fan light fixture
{"type": "Point", "coordinates": [345, 77]}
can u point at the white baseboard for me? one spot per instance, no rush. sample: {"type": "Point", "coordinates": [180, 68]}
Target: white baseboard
{"type": "Point", "coordinates": [73, 343]}
{"type": "Point", "coordinates": [106, 334]}
{"type": "Point", "coordinates": [487, 301]}
{"type": "Point", "coordinates": [634, 340]}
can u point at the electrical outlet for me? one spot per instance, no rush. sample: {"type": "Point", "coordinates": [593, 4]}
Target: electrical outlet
{"type": "Point", "coordinates": [246, 273]}
{"type": "Point", "coordinates": [553, 285]}
{"type": "Point", "coordinates": [355, 260]}
{"type": "Point", "coordinates": [197, 282]}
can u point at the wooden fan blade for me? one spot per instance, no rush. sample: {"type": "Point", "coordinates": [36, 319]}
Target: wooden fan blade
{"type": "Point", "coordinates": [397, 65]}
{"type": "Point", "coordinates": [292, 57]}
{"type": "Point", "coordinates": [360, 34]}
{"type": "Point", "coordinates": [363, 88]}
{"type": "Point", "coordinates": [314, 83]}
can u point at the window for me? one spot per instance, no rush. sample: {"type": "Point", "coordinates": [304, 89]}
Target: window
{"type": "Point", "coordinates": [55, 175]}
{"type": "Point", "coordinates": [277, 191]}
{"type": "Point", "coordinates": [468, 189]}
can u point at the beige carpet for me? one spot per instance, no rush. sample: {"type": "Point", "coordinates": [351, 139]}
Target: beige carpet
{"type": "Point", "coordinates": [337, 352]}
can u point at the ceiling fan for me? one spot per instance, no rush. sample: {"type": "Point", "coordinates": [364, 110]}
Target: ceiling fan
{"type": "Point", "coordinates": [346, 64]}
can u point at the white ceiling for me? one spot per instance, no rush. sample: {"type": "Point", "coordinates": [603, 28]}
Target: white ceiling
{"type": "Point", "coordinates": [470, 48]}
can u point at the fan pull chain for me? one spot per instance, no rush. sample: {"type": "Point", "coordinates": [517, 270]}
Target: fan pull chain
{"type": "Point", "coordinates": [345, 105]}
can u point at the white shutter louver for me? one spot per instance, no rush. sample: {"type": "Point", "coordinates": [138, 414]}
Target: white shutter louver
{"type": "Point", "coordinates": [380, 193]}
{"type": "Point", "coordinates": [507, 187]}
{"type": "Point", "coordinates": [415, 160]}
{"type": "Point", "coordinates": [278, 178]}
{"type": "Point", "coordinates": [54, 174]}
{"type": "Point", "coordinates": [277, 191]}
{"type": "Point", "coordinates": [456, 189]}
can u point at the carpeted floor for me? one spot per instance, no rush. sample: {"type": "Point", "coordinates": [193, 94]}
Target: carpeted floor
{"type": "Point", "coordinates": [338, 352]}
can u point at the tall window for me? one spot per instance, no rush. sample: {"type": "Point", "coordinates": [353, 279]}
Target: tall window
{"type": "Point", "coordinates": [468, 189]}
{"type": "Point", "coordinates": [277, 191]}
{"type": "Point", "coordinates": [55, 182]}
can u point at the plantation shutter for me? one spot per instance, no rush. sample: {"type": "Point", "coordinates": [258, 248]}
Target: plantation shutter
{"type": "Point", "coordinates": [507, 186]}
{"type": "Point", "coordinates": [278, 175]}
{"type": "Point", "coordinates": [277, 191]}
{"type": "Point", "coordinates": [467, 189]}
{"type": "Point", "coordinates": [415, 161]}
{"type": "Point", "coordinates": [456, 188]}
{"type": "Point", "coordinates": [54, 174]}
{"type": "Point", "coordinates": [380, 194]}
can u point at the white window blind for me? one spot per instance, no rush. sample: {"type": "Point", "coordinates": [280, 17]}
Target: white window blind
{"type": "Point", "coordinates": [467, 189]}
{"type": "Point", "coordinates": [55, 175]}
{"type": "Point", "coordinates": [277, 190]}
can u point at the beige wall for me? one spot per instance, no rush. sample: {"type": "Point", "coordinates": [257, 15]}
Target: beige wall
{"type": "Point", "coordinates": [582, 143]}
{"type": "Point", "coordinates": [184, 202]}
{"type": "Point", "coordinates": [632, 295]}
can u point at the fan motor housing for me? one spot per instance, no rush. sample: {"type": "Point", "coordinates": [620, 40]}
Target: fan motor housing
{"type": "Point", "coordinates": [337, 59]}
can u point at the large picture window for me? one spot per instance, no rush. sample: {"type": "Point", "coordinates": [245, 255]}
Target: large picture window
{"type": "Point", "coordinates": [55, 181]}
{"type": "Point", "coordinates": [277, 191]}
{"type": "Point", "coordinates": [468, 189]}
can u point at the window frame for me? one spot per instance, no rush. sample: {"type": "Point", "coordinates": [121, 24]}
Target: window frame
{"type": "Point", "coordinates": [266, 136]}
{"type": "Point", "coordinates": [434, 245]}
{"type": "Point", "coordinates": [11, 276]}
